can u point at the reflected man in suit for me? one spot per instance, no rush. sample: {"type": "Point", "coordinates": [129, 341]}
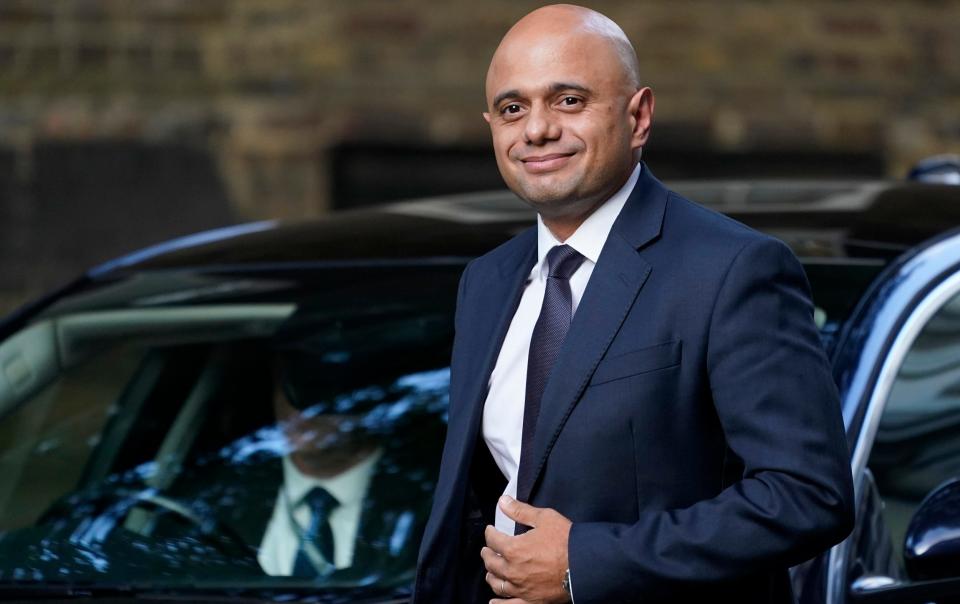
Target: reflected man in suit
{"type": "Point", "coordinates": [640, 406]}
{"type": "Point", "coordinates": [357, 441]}
{"type": "Point", "coordinates": [326, 475]}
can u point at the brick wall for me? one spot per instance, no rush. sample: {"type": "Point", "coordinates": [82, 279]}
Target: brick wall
{"type": "Point", "coordinates": [271, 88]}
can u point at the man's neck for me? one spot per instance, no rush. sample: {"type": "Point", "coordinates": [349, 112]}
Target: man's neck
{"type": "Point", "coordinates": [563, 226]}
{"type": "Point", "coordinates": [332, 463]}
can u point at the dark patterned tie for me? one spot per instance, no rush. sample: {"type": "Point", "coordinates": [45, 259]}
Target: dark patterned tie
{"type": "Point", "coordinates": [548, 335]}
{"type": "Point", "coordinates": [321, 503]}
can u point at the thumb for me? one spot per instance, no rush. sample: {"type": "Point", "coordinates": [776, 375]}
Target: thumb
{"type": "Point", "coordinates": [519, 511]}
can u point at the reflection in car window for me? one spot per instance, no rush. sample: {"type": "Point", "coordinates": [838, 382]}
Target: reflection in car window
{"type": "Point", "coordinates": [45, 444]}
{"type": "Point", "coordinates": [917, 446]}
{"type": "Point", "coordinates": [280, 439]}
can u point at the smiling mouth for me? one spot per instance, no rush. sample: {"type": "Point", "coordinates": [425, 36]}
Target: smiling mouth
{"type": "Point", "coordinates": [545, 163]}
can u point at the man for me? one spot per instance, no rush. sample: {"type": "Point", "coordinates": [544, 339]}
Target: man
{"type": "Point", "coordinates": [640, 409]}
{"type": "Point", "coordinates": [327, 484]}
{"type": "Point", "coordinates": [327, 473]}
{"type": "Point", "coordinates": [348, 508]}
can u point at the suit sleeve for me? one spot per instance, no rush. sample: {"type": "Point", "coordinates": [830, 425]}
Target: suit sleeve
{"type": "Point", "coordinates": [779, 410]}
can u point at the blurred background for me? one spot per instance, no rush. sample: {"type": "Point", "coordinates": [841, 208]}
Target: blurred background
{"type": "Point", "coordinates": [126, 122]}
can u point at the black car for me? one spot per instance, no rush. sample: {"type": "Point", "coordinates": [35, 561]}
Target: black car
{"type": "Point", "coordinates": [142, 447]}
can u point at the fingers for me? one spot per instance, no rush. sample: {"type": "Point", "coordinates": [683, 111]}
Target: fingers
{"type": "Point", "coordinates": [526, 568]}
{"type": "Point", "coordinates": [503, 588]}
{"type": "Point", "coordinates": [497, 541]}
{"type": "Point", "coordinates": [520, 512]}
{"type": "Point", "coordinates": [494, 563]}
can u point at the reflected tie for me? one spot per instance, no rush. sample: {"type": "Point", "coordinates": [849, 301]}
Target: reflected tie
{"type": "Point", "coordinates": [321, 504]}
{"type": "Point", "coordinates": [548, 336]}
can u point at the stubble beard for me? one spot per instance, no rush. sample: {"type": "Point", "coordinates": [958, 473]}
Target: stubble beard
{"type": "Point", "coordinates": [559, 201]}
{"type": "Point", "coordinates": [551, 199]}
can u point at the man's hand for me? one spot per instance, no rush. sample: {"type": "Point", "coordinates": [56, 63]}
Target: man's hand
{"type": "Point", "coordinates": [528, 568]}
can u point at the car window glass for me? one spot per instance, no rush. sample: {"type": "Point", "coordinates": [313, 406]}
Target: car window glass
{"type": "Point", "coordinates": [224, 421]}
{"type": "Point", "coordinates": [46, 442]}
{"type": "Point", "coordinates": [836, 288]}
{"type": "Point", "coordinates": [917, 445]}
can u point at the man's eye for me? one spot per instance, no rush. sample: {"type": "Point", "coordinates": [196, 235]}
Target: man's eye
{"type": "Point", "coordinates": [570, 100]}
{"type": "Point", "coordinates": [511, 108]}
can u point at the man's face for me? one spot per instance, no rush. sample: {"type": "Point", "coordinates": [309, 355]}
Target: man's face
{"type": "Point", "coordinates": [563, 118]}
{"type": "Point", "coordinates": [320, 444]}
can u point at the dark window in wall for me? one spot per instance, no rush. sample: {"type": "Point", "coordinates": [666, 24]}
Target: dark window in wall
{"type": "Point", "coordinates": [10, 221]}
{"type": "Point", "coordinates": [93, 201]}
{"type": "Point", "coordinates": [369, 173]}
{"type": "Point", "coordinates": [366, 174]}
{"type": "Point", "coordinates": [101, 199]}
{"type": "Point", "coordinates": [694, 164]}
{"type": "Point", "coordinates": [6, 176]}
{"type": "Point", "coordinates": [683, 151]}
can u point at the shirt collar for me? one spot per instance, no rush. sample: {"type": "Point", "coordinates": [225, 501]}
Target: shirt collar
{"type": "Point", "coordinates": [590, 236]}
{"type": "Point", "coordinates": [347, 487]}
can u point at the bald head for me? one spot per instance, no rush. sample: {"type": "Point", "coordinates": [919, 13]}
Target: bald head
{"type": "Point", "coordinates": [571, 22]}
{"type": "Point", "coordinates": [566, 111]}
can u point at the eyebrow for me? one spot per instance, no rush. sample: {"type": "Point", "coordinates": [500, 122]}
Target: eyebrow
{"type": "Point", "coordinates": [554, 88]}
{"type": "Point", "coordinates": [505, 95]}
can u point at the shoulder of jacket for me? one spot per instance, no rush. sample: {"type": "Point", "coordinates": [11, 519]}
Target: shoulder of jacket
{"type": "Point", "coordinates": [710, 228]}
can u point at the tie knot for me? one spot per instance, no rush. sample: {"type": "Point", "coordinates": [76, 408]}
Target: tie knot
{"type": "Point", "coordinates": [320, 501]}
{"type": "Point", "coordinates": [563, 261]}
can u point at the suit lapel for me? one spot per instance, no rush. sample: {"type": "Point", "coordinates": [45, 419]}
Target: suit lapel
{"type": "Point", "coordinates": [390, 525]}
{"type": "Point", "coordinates": [497, 295]}
{"type": "Point", "coordinates": [372, 531]}
{"type": "Point", "coordinates": [613, 287]}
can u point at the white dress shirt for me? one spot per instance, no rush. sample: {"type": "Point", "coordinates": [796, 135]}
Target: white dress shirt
{"type": "Point", "coordinates": [281, 540]}
{"type": "Point", "coordinates": [503, 409]}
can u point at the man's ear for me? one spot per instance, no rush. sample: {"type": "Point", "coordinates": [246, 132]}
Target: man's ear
{"type": "Point", "coordinates": [640, 108]}
{"type": "Point", "coordinates": [486, 116]}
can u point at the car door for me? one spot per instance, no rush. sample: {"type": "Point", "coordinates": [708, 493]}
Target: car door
{"type": "Point", "coordinates": [898, 367]}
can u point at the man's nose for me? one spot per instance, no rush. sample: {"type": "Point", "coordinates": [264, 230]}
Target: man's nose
{"type": "Point", "coordinates": [541, 126]}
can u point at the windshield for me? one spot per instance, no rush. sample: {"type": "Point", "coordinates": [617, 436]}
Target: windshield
{"type": "Point", "coordinates": [268, 430]}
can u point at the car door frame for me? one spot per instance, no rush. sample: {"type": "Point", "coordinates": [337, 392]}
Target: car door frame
{"type": "Point", "coordinates": [870, 351]}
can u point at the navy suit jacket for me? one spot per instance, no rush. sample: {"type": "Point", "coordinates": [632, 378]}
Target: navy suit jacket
{"type": "Point", "coordinates": [690, 428]}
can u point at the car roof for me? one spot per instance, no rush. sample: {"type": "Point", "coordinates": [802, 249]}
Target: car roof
{"type": "Point", "coordinates": [834, 219]}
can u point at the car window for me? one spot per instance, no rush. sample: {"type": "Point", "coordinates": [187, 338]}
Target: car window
{"type": "Point", "coordinates": [46, 442]}
{"type": "Point", "coordinates": [836, 287]}
{"type": "Point", "coordinates": [187, 442]}
{"type": "Point", "coordinates": [917, 444]}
